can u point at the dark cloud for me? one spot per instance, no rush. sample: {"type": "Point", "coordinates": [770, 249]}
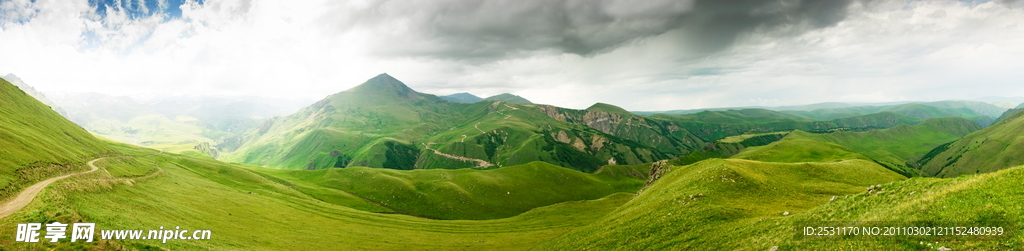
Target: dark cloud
{"type": "Point", "coordinates": [468, 29]}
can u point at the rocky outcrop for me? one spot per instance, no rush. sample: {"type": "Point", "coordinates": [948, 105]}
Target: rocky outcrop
{"type": "Point", "coordinates": [552, 112]}
{"type": "Point", "coordinates": [658, 169]}
{"type": "Point", "coordinates": [602, 121]}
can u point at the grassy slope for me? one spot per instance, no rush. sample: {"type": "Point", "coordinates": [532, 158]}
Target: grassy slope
{"type": "Point", "coordinates": [712, 223]}
{"type": "Point", "coordinates": [383, 123]}
{"type": "Point", "coordinates": [38, 143]}
{"type": "Point", "coordinates": [460, 193]}
{"type": "Point", "coordinates": [248, 211]}
{"type": "Point", "coordinates": [735, 193]}
{"type": "Point", "coordinates": [506, 134]}
{"type": "Point", "coordinates": [995, 147]}
{"type": "Point", "coordinates": [894, 146]}
{"type": "Point", "coordinates": [357, 123]}
{"type": "Point", "coordinates": [799, 146]}
{"type": "Point", "coordinates": [509, 98]}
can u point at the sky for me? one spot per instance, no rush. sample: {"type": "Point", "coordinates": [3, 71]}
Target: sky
{"type": "Point", "coordinates": [644, 55]}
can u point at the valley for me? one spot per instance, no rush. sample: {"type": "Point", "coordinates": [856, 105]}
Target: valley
{"type": "Point", "coordinates": [383, 167]}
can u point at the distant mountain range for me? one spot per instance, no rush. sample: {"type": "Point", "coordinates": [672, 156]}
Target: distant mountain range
{"type": "Point", "coordinates": [384, 123]}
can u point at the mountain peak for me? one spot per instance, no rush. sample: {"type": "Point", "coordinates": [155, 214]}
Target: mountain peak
{"type": "Point", "coordinates": [509, 98]}
{"type": "Point", "coordinates": [607, 108]}
{"type": "Point", "coordinates": [384, 85]}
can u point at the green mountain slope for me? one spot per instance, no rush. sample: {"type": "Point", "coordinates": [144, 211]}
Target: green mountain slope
{"type": "Point", "coordinates": [383, 123]}
{"type": "Point", "coordinates": [701, 206]}
{"type": "Point", "coordinates": [900, 147]}
{"type": "Point", "coordinates": [509, 98]}
{"type": "Point", "coordinates": [1010, 112]}
{"type": "Point", "coordinates": [664, 217]}
{"type": "Point", "coordinates": [505, 133]}
{"type": "Point", "coordinates": [729, 146]}
{"type": "Point", "coordinates": [799, 146]}
{"type": "Point", "coordinates": [373, 124]}
{"type": "Point", "coordinates": [255, 211]}
{"type": "Point", "coordinates": [993, 148]}
{"type": "Point", "coordinates": [38, 143]}
{"type": "Point", "coordinates": [16, 81]}
{"type": "Point", "coordinates": [462, 193]}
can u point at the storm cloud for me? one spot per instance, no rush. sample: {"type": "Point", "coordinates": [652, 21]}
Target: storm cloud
{"type": "Point", "coordinates": [469, 29]}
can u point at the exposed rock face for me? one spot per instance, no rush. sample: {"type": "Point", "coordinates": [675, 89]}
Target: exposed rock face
{"type": "Point", "coordinates": [602, 121]}
{"type": "Point", "coordinates": [578, 144]}
{"type": "Point", "coordinates": [562, 137]}
{"type": "Point", "coordinates": [597, 142]}
{"type": "Point", "coordinates": [552, 112]}
{"type": "Point", "coordinates": [658, 169]}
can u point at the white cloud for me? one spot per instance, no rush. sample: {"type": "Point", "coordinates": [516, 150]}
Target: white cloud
{"type": "Point", "coordinates": [885, 51]}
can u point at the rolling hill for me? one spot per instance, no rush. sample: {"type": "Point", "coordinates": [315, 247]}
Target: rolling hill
{"type": "Point", "coordinates": [900, 147]}
{"type": "Point", "coordinates": [462, 193]}
{"type": "Point", "coordinates": [993, 148]}
{"type": "Point", "coordinates": [710, 205]}
{"type": "Point", "coordinates": [699, 207]}
{"type": "Point", "coordinates": [508, 97]}
{"type": "Point", "coordinates": [37, 143]}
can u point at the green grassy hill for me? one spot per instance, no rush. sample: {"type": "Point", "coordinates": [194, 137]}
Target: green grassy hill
{"type": "Point", "coordinates": [799, 146]}
{"type": "Point", "coordinates": [461, 193]}
{"type": "Point", "coordinates": [1010, 112]}
{"type": "Point", "coordinates": [993, 148]}
{"type": "Point", "coordinates": [374, 124]}
{"type": "Point", "coordinates": [16, 81]}
{"type": "Point", "coordinates": [729, 146]}
{"type": "Point", "coordinates": [37, 143]}
{"type": "Point", "coordinates": [247, 210]}
{"type": "Point", "coordinates": [508, 97]}
{"type": "Point", "coordinates": [711, 204]}
{"type": "Point", "coordinates": [901, 146]}
{"type": "Point", "coordinates": [383, 123]}
{"type": "Point", "coordinates": [505, 133]}
{"type": "Point", "coordinates": [749, 214]}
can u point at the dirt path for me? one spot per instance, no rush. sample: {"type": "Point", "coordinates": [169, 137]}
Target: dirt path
{"type": "Point", "coordinates": [26, 196]}
{"type": "Point", "coordinates": [30, 193]}
{"type": "Point", "coordinates": [480, 163]}
{"type": "Point", "coordinates": [477, 126]}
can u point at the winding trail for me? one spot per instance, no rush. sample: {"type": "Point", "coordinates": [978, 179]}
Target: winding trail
{"type": "Point", "coordinates": [480, 163]}
{"type": "Point", "coordinates": [30, 193]}
{"type": "Point", "coordinates": [26, 196]}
